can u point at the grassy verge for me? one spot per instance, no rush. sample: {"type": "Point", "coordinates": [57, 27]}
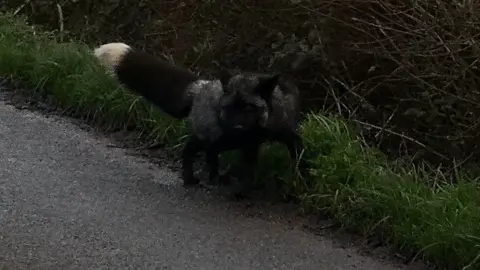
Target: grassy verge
{"type": "Point", "coordinates": [353, 183]}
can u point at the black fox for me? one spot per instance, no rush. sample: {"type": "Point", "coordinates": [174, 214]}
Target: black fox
{"type": "Point", "coordinates": [240, 110]}
{"type": "Point", "coordinates": [243, 111]}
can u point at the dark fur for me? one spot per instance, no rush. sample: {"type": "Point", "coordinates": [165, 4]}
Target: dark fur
{"type": "Point", "coordinates": [240, 122]}
{"type": "Point", "coordinates": [161, 83]}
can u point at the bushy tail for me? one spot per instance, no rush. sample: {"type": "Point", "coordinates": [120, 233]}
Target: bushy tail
{"type": "Point", "coordinates": [158, 81]}
{"type": "Point", "coordinates": [111, 54]}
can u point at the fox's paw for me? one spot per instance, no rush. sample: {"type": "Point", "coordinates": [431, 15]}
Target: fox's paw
{"type": "Point", "coordinates": [190, 181]}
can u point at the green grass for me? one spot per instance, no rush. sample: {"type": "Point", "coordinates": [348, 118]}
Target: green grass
{"type": "Point", "coordinates": [352, 183]}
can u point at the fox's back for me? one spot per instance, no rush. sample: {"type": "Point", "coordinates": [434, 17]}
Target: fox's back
{"type": "Point", "coordinates": [286, 106]}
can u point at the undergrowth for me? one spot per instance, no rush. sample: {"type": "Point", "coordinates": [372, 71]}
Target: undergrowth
{"type": "Point", "coordinates": [404, 72]}
{"type": "Point", "coordinates": [353, 183]}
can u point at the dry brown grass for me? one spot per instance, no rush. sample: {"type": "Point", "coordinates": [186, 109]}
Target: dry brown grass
{"type": "Point", "coordinates": [405, 71]}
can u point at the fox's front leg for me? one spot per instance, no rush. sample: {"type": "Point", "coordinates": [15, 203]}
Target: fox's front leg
{"type": "Point", "coordinates": [212, 162]}
{"type": "Point", "coordinates": [250, 158]}
{"type": "Point", "coordinates": [192, 147]}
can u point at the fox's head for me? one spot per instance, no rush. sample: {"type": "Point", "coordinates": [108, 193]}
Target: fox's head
{"type": "Point", "coordinates": [247, 99]}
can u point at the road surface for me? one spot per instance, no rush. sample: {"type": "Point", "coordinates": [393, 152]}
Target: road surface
{"type": "Point", "coordinates": [68, 201]}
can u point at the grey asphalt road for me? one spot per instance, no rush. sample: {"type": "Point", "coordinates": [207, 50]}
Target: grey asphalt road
{"type": "Point", "coordinates": [67, 201]}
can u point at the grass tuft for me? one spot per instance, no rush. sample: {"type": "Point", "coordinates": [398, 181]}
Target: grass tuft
{"type": "Point", "coordinates": [351, 182]}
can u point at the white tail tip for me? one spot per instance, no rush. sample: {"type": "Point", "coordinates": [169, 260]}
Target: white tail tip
{"type": "Point", "coordinates": [111, 54]}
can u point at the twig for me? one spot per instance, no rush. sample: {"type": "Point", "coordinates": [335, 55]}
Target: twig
{"type": "Point", "coordinates": [380, 132]}
{"type": "Point", "coordinates": [402, 136]}
{"type": "Point", "coordinates": [456, 165]}
{"type": "Point", "coordinates": [21, 7]}
{"type": "Point", "coordinates": [151, 147]}
{"type": "Point", "coordinates": [60, 20]}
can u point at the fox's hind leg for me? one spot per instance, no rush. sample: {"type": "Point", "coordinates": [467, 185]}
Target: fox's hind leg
{"type": "Point", "coordinates": [192, 147]}
{"type": "Point", "coordinates": [212, 154]}
{"type": "Point", "coordinates": [295, 147]}
{"type": "Point", "coordinates": [212, 163]}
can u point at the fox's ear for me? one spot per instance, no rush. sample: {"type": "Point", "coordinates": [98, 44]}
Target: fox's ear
{"type": "Point", "coordinates": [267, 85]}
